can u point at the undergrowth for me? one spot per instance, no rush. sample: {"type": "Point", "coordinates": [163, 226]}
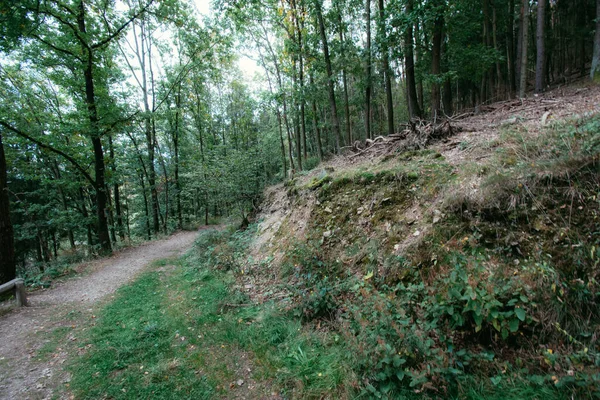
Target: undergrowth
{"type": "Point", "coordinates": [496, 300]}
{"type": "Point", "coordinates": [498, 295]}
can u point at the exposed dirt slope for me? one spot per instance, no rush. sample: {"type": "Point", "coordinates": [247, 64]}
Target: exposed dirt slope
{"type": "Point", "coordinates": [23, 333]}
{"type": "Point", "coordinates": [477, 137]}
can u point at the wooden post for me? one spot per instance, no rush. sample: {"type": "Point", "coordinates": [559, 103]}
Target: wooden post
{"type": "Point", "coordinates": [20, 294]}
{"type": "Point", "coordinates": [19, 288]}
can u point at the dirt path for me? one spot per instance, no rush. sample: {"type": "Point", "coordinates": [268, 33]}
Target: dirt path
{"type": "Point", "coordinates": [24, 373]}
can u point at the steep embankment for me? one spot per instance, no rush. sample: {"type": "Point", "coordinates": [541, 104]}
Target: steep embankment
{"type": "Point", "coordinates": [448, 258]}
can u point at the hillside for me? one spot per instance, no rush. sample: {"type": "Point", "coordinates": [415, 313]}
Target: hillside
{"type": "Point", "coordinates": [451, 261]}
{"type": "Point", "coordinates": [473, 257]}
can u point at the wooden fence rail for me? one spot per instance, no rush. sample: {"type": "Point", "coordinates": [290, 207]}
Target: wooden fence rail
{"type": "Point", "coordinates": [19, 288]}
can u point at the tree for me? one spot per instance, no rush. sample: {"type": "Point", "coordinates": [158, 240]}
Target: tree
{"type": "Point", "coordinates": [330, 84]}
{"type": "Point", "coordinates": [541, 53]}
{"type": "Point", "coordinates": [73, 47]}
{"type": "Point", "coordinates": [414, 110]}
{"type": "Point", "coordinates": [7, 249]}
{"type": "Point", "coordinates": [524, 30]}
{"type": "Point", "coordinates": [436, 57]}
{"type": "Point", "coordinates": [595, 70]}
{"type": "Point", "coordinates": [386, 67]}
{"type": "Point", "coordinates": [368, 70]}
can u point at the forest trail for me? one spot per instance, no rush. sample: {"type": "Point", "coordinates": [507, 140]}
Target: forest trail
{"type": "Point", "coordinates": [24, 372]}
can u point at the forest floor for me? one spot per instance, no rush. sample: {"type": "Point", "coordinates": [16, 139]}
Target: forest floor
{"type": "Point", "coordinates": [266, 313]}
{"type": "Point", "coordinates": [25, 372]}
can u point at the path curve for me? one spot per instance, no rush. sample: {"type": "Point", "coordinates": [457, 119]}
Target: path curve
{"type": "Point", "coordinates": [22, 331]}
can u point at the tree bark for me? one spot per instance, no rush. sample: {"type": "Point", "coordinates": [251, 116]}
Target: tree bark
{"type": "Point", "coordinates": [334, 113]}
{"type": "Point", "coordinates": [595, 71]}
{"type": "Point", "coordinates": [368, 70]}
{"type": "Point", "coordinates": [409, 63]}
{"type": "Point", "coordinates": [99, 168]}
{"type": "Point", "coordinates": [116, 193]}
{"type": "Point", "coordinates": [510, 49]}
{"type": "Point", "coordinates": [344, 77]}
{"type": "Point", "coordinates": [386, 70]}
{"type": "Point", "coordinates": [524, 29]}
{"type": "Point", "coordinates": [316, 123]}
{"type": "Point", "coordinates": [176, 156]}
{"type": "Point", "coordinates": [7, 246]}
{"type": "Point", "coordinates": [436, 58]}
{"type": "Point", "coordinates": [541, 53]}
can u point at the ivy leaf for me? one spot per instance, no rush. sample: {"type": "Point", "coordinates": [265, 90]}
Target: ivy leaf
{"type": "Point", "coordinates": [514, 325]}
{"type": "Point", "coordinates": [520, 313]}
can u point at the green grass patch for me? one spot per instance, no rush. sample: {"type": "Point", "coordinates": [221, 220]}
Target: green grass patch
{"type": "Point", "coordinates": [179, 330]}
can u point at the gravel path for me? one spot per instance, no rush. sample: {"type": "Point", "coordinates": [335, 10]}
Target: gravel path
{"type": "Point", "coordinates": [24, 332]}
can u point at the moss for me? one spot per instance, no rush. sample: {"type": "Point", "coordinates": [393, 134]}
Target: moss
{"type": "Point", "coordinates": [316, 183]}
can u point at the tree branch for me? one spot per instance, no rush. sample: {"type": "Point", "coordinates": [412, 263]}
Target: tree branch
{"type": "Point", "coordinates": [85, 174]}
{"type": "Point", "coordinates": [60, 50]}
{"type": "Point", "coordinates": [122, 27]}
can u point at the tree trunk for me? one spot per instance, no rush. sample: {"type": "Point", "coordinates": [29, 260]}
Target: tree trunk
{"type": "Point", "coordinates": [176, 156]}
{"type": "Point", "coordinates": [334, 114]}
{"type": "Point", "coordinates": [368, 70]}
{"type": "Point", "coordinates": [344, 77]}
{"type": "Point", "coordinates": [7, 247]}
{"type": "Point", "coordinates": [386, 69]}
{"type": "Point", "coordinates": [316, 124]}
{"type": "Point", "coordinates": [495, 42]}
{"type": "Point", "coordinates": [595, 71]}
{"type": "Point", "coordinates": [116, 194]}
{"type": "Point", "coordinates": [510, 49]}
{"type": "Point", "coordinates": [297, 122]}
{"type": "Point", "coordinates": [541, 53]}
{"type": "Point", "coordinates": [90, 97]}
{"type": "Point", "coordinates": [409, 63]}
{"type": "Point", "coordinates": [436, 58]}
{"type": "Point", "coordinates": [525, 28]}
{"type": "Point", "coordinates": [300, 28]}
{"type": "Point", "coordinates": [84, 213]}
{"type": "Point", "coordinates": [146, 210]}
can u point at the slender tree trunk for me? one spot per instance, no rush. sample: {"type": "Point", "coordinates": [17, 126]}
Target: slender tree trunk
{"type": "Point", "coordinates": [316, 124]}
{"type": "Point", "coordinates": [418, 59]}
{"type": "Point", "coordinates": [283, 96]}
{"type": "Point", "coordinates": [146, 210]}
{"type": "Point", "coordinates": [300, 28]}
{"type": "Point", "coordinates": [540, 72]}
{"type": "Point", "coordinates": [510, 48]}
{"type": "Point", "coordinates": [116, 194]}
{"type": "Point", "coordinates": [278, 113]}
{"type": "Point", "coordinates": [368, 70]}
{"type": "Point", "coordinates": [99, 167]}
{"type": "Point", "coordinates": [297, 133]}
{"type": "Point", "coordinates": [525, 29]}
{"type": "Point", "coordinates": [386, 69]}
{"type": "Point", "coordinates": [344, 77]}
{"type": "Point", "coordinates": [334, 114]}
{"type": "Point", "coordinates": [111, 217]}
{"type": "Point", "coordinates": [495, 42]}
{"type": "Point", "coordinates": [436, 58]}
{"type": "Point", "coordinates": [176, 159]}
{"type": "Point", "coordinates": [595, 71]}
{"type": "Point", "coordinates": [84, 213]}
{"type": "Point", "coordinates": [409, 64]}
{"type": "Point", "coordinates": [283, 160]}
{"type": "Point", "coordinates": [8, 263]}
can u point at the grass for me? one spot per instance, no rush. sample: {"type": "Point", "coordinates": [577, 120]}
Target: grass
{"type": "Point", "coordinates": [454, 317]}
{"type": "Point", "coordinates": [179, 330]}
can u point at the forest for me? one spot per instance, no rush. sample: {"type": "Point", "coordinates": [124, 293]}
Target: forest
{"type": "Point", "coordinates": [128, 119]}
{"type": "Point", "coordinates": [300, 198]}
